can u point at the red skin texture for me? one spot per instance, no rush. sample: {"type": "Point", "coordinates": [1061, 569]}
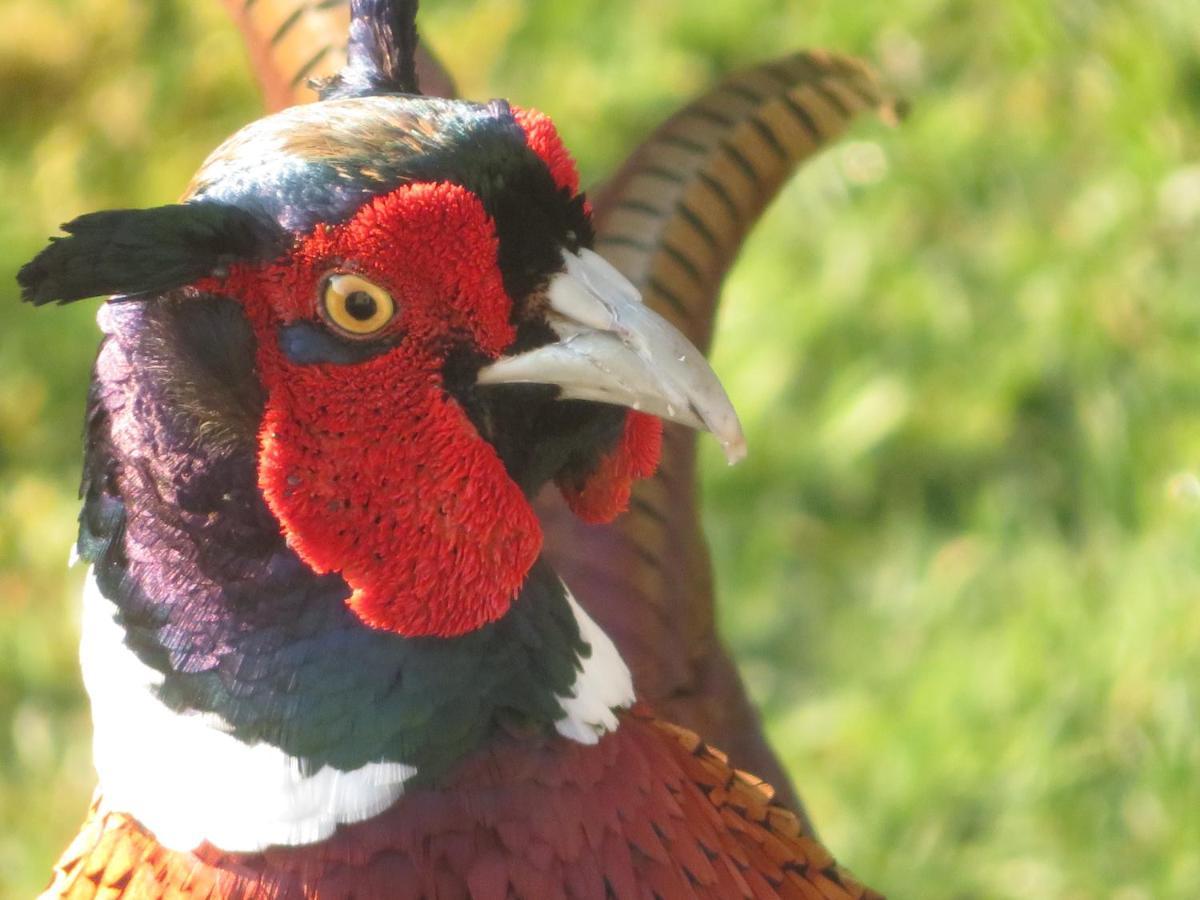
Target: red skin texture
{"type": "Point", "coordinates": [372, 470]}
{"type": "Point", "coordinates": [605, 493]}
{"type": "Point", "coordinates": [544, 140]}
{"type": "Point", "coordinates": [649, 810]}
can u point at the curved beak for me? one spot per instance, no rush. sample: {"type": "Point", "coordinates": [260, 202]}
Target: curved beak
{"type": "Point", "coordinates": [612, 348]}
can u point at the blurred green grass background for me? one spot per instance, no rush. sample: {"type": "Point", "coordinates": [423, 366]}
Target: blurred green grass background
{"type": "Point", "coordinates": [961, 567]}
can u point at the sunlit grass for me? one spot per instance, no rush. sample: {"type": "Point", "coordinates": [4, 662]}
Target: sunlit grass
{"type": "Point", "coordinates": [961, 566]}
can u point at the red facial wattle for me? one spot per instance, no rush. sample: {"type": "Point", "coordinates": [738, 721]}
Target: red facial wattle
{"type": "Point", "coordinates": [372, 469]}
{"type": "Point", "coordinates": [603, 494]}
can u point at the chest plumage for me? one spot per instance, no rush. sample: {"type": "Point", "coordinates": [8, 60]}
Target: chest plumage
{"type": "Point", "coordinates": [649, 811]}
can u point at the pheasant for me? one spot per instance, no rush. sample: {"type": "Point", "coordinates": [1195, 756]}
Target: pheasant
{"type": "Point", "coordinates": [671, 219]}
{"type": "Point", "coordinates": [325, 652]}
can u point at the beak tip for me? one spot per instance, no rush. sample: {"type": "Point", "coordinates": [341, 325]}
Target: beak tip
{"type": "Point", "coordinates": [734, 449]}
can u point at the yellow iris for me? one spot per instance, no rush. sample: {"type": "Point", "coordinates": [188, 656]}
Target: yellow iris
{"type": "Point", "coordinates": [354, 306]}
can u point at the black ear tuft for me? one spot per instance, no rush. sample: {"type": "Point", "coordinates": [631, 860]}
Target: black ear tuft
{"type": "Point", "coordinates": [382, 54]}
{"type": "Point", "coordinates": [139, 251]}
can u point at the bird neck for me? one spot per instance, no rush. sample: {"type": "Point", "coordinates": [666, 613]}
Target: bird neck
{"type": "Point", "coordinates": [222, 617]}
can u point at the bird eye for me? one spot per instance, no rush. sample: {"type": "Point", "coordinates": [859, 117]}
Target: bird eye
{"type": "Point", "coordinates": [354, 306]}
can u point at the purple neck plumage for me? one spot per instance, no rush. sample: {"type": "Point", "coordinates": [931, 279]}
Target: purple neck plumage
{"type": "Point", "coordinates": [210, 595]}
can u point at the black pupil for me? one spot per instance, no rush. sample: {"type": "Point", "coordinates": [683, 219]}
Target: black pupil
{"type": "Point", "coordinates": [360, 305]}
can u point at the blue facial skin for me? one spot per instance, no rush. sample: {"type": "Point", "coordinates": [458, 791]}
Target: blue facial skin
{"type": "Point", "coordinates": [307, 343]}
